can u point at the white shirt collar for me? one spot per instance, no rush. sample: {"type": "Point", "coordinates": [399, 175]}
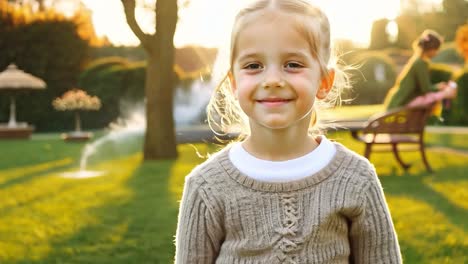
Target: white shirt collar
{"type": "Point", "coordinates": [282, 171]}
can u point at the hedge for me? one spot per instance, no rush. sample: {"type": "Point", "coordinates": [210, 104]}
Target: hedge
{"type": "Point", "coordinates": [374, 76]}
{"type": "Point", "coordinates": [115, 81]}
{"type": "Point", "coordinates": [458, 112]}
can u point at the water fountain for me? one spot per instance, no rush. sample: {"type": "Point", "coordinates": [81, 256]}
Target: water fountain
{"type": "Point", "coordinates": [189, 106]}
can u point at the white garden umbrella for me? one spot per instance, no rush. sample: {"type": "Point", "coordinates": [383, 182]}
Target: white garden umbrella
{"type": "Point", "coordinates": [14, 79]}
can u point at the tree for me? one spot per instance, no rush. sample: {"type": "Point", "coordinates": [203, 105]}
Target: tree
{"type": "Point", "coordinates": [40, 3]}
{"type": "Point", "coordinates": [40, 9]}
{"type": "Point", "coordinates": [159, 84]}
{"type": "Point", "coordinates": [443, 17]}
{"type": "Point", "coordinates": [455, 14]}
{"type": "Point", "coordinates": [379, 35]}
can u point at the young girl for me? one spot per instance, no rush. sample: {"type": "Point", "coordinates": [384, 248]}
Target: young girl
{"type": "Point", "coordinates": [283, 194]}
{"type": "Point", "coordinates": [413, 86]}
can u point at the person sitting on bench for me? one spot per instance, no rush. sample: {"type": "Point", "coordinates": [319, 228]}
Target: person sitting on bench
{"type": "Point", "coordinates": [413, 86]}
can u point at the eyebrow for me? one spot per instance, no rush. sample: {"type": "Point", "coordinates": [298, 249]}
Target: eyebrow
{"type": "Point", "coordinates": [299, 53]}
{"type": "Point", "coordinates": [249, 54]}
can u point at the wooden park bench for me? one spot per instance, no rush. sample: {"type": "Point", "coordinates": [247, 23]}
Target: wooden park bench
{"type": "Point", "coordinates": [399, 126]}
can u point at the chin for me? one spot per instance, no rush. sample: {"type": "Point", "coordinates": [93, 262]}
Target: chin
{"type": "Point", "coordinates": [276, 125]}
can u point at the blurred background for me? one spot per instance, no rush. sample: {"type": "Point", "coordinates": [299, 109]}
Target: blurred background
{"type": "Point", "coordinates": [129, 78]}
{"type": "Point", "coordinates": [89, 45]}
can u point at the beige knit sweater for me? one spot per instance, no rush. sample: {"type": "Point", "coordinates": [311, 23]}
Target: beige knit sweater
{"type": "Point", "coordinates": [338, 215]}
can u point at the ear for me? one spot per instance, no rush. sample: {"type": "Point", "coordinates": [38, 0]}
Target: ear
{"type": "Point", "coordinates": [232, 81]}
{"type": "Point", "coordinates": [326, 84]}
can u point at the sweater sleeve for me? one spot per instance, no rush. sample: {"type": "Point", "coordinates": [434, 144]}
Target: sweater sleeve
{"type": "Point", "coordinates": [199, 234]}
{"type": "Point", "coordinates": [422, 77]}
{"type": "Point", "coordinates": [372, 235]}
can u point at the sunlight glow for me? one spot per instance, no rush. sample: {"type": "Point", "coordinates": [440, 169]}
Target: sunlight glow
{"type": "Point", "coordinates": [454, 191]}
{"type": "Point", "coordinates": [207, 22]}
{"type": "Point", "coordinates": [392, 30]}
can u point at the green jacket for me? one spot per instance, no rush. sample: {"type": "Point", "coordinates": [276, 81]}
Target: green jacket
{"type": "Point", "coordinates": [412, 82]}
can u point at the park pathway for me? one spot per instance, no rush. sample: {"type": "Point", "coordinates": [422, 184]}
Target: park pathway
{"type": "Point", "coordinates": [447, 130]}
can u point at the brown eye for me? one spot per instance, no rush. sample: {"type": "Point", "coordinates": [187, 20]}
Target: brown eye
{"type": "Point", "coordinates": [293, 65]}
{"type": "Point", "coordinates": [253, 66]}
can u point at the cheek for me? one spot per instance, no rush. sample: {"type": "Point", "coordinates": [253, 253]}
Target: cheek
{"type": "Point", "coordinates": [245, 86]}
{"type": "Point", "coordinates": [308, 102]}
{"type": "Point", "coordinates": [306, 98]}
{"type": "Point", "coordinates": [308, 87]}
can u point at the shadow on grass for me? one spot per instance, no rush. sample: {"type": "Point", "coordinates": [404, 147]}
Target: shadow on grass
{"type": "Point", "coordinates": [20, 153]}
{"type": "Point", "coordinates": [416, 186]}
{"type": "Point", "coordinates": [23, 175]}
{"type": "Point", "coordinates": [432, 224]}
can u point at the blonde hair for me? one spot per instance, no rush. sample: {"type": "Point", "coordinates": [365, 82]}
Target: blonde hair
{"type": "Point", "coordinates": [224, 111]}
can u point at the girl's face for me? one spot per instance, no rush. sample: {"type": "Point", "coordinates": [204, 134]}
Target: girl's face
{"type": "Point", "coordinates": [274, 76]}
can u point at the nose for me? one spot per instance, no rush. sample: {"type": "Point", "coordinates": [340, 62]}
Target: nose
{"type": "Point", "coordinates": [273, 78]}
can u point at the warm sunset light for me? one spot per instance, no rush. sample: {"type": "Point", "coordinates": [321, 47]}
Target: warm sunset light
{"type": "Point", "coordinates": [207, 22]}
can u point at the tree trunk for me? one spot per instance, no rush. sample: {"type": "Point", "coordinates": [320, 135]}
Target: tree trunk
{"type": "Point", "coordinates": [41, 5]}
{"type": "Point", "coordinates": [160, 135]}
{"type": "Point", "coordinates": [160, 140]}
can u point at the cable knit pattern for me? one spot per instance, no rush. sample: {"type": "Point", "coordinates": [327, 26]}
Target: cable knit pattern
{"type": "Point", "coordinates": [288, 244]}
{"type": "Point", "coordinates": [337, 215]}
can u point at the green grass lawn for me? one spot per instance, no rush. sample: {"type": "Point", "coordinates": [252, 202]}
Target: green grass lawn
{"type": "Point", "coordinates": [129, 214]}
{"type": "Point", "coordinates": [359, 112]}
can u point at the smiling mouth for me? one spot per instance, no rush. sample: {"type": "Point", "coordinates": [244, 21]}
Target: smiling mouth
{"type": "Point", "coordinates": [274, 100]}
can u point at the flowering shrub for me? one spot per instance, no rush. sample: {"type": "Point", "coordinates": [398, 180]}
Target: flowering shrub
{"type": "Point", "coordinates": [76, 99]}
{"type": "Point", "coordinates": [462, 41]}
